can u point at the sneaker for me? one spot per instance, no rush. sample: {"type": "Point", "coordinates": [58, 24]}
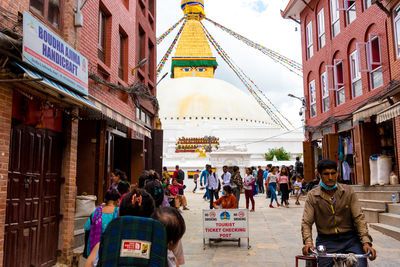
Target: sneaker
{"type": "Point", "coordinates": [270, 205]}
{"type": "Point", "coordinates": [278, 205]}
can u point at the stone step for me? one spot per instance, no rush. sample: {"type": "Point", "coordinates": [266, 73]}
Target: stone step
{"type": "Point", "coordinates": [389, 230]}
{"type": "Point", "coordinates": [376, 188]}
{"type": "Point", "coordinates": [377, 195]}
{"type": "Point", "coordinates": [79, 223]}
{"type": "Point", "coordinates": [372, 215]}
{"type": "Point", "coordinates": [394, 208]}
{"type": "Point", "coordinates": [390, 219]}
{"type": "Point", "coordinates": [374, 204]}
{"type": "Point", "coordinates": [79, 238]}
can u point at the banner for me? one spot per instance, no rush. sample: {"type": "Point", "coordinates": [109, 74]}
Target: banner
{"type": "Point", "coordinates": [43, 49]}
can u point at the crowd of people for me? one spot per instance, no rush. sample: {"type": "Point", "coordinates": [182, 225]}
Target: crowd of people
{"type": "Point", "coordinates": [157, 197]}
{"type": "Point", "coordinates": [272, 181]}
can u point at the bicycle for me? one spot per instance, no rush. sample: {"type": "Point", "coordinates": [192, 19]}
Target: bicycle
{"type": "Point", "coordinates": [339, 259]}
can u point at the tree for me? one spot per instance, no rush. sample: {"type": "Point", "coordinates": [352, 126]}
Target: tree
{"type": "Point", "coordinates": [280, 154]}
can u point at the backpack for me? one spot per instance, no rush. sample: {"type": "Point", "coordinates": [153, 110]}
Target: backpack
{"type": "Point", "coordinates": [133, 241]}
{"type": "Point", "coordinates": [181, 175]}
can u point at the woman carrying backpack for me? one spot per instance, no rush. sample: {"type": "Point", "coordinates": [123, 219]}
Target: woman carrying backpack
{"type": "Point", "coordinates": [100, 218]}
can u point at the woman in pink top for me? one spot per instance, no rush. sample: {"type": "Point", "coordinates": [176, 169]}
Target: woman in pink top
{"type": "Point", "coordinates": [283, 181]}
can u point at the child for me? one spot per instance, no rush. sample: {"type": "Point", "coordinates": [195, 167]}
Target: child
{"type": "Point", "coordinates": [175, 227]}
{"type": "Point", "coordinates": [297, 188]}
{"type": "Point", "coordinates": [179, 199]}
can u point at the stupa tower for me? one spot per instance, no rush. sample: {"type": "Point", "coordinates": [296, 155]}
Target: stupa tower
{"type": "Point", "coordinates": [193, 56]}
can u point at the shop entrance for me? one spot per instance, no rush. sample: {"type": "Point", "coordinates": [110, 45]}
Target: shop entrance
{"type": "Point", "coordinates": [33, 197]}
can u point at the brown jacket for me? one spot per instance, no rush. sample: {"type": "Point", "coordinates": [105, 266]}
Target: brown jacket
{"type": "Point", "coordinates": [237, 180]}
{"type": "Point", "coordinates": [332, 216]}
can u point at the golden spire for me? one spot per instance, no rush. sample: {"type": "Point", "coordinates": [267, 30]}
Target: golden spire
{"type": "Point", "coordinates": [193, 56]}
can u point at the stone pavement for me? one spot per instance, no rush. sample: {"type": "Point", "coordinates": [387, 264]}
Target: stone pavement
{"type": "Point", "coordinates": [275, 238]}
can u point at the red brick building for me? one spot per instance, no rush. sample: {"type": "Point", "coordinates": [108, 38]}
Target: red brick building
{"type": "Point", "coordinates": [58, 140]}
{"type": "Point", "coordinates": [116, 36]}
{"type": "Point", "coordinates": [346, 74]}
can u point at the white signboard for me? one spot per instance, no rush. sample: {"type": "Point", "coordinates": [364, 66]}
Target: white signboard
{"type": "Point", "coordinates": [47, 52]}
{"type": "Point", "coordinates": [225, 224]}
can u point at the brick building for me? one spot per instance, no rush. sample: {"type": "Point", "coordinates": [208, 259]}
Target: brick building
{"type": "Point", "coordinates": [347, 62]}
{"type": "Point", "coordinates": [116, 36]}
{"type": "Point", "coordinates": [70, 111]}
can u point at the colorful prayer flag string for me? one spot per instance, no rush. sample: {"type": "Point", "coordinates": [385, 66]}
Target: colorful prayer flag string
{"type": "Point", "coordinates": [291, 65]}
{"type": "Point", "coordinates": [239, 73]}
{"type": "Point", "coordinates": [161, 65]}
{"type": "Point", "coordinates": [165, 34]}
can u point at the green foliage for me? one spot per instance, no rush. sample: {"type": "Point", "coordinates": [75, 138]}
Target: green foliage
{"type": "Point", "coordinates": [280, 154]}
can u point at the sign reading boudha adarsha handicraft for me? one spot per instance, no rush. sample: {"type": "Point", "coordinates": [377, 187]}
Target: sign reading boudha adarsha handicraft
{"type": "Point", "coordinates": [47, 52]}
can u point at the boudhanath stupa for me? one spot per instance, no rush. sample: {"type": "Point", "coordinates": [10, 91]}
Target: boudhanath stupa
{"type": "Point", "coordinates": [197, 110]}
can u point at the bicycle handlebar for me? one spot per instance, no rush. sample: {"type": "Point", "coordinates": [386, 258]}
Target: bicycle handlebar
{"type": "Point", "coordinates": [337, 255]}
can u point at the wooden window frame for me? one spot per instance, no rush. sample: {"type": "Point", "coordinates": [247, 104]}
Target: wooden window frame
{"type": "Point", "coordinates": [45, 16]}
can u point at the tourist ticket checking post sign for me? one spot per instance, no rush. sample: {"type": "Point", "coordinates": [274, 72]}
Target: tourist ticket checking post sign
{"type": "Point", "coordinates": [229, 225]}
{"type": "Point", "coordinates": [47, 52]}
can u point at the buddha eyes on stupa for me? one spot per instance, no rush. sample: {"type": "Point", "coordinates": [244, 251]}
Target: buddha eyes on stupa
{"type": "Point", "coordinates": [201, 69]}
{"type": "Point", "coordinates": [186, 69]}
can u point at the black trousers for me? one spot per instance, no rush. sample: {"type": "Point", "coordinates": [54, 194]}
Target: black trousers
{"type": "Point", "coordinates": [260, 184]}
{"type": "Point", "coordinates": [285, 192]}
{"type": "Point", "coordinates": [213, 193]}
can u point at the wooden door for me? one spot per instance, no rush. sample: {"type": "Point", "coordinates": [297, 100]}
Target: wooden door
{"type": "Point", "coordinates": [308, 164]}
{"type": "Point", "coordinates": [32, 215]}
{"type": "Point", "coordinates": [330, 143]}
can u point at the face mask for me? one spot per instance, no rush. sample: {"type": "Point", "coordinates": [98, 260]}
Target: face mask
{"type": "Point", "coordinates": [328, 188]}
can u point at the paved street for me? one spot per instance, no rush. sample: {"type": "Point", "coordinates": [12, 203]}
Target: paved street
{"type": "Point", "coordinates": [275, 238]}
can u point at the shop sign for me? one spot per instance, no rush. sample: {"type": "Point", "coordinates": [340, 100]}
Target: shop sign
{"type": "Point", "coordinates": [43, 49]}
{"type": "Point", "coordinates": [225, 224]}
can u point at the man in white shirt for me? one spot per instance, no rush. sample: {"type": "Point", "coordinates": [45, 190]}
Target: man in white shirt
{"type": "Point", "coordinates": [212, 185]}
{"type": "Point", "coordinates": [226, 177]}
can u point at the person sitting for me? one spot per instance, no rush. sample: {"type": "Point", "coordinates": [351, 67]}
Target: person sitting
{"type": "Point", "coordinates": [170, 196]}
{"type": "Point", "coordinates": [175, 227]}
{"type": "Point", "coordinates": [228, 201]}
{"type": "Point", "coordinates": [335, 210]}
{"type": "Point", "coordinates": [179, 199]}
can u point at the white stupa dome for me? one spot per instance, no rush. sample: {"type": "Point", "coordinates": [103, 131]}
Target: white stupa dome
{"type": "Point", "coordinates": [206, 99]}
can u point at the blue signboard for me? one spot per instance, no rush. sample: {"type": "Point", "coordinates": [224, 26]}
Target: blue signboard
{"type": "Point", "coordinates": [43, 49]}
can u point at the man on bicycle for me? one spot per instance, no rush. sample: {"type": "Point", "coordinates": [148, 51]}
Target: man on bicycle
{"type": "Point", "coordinates": [335, 210]}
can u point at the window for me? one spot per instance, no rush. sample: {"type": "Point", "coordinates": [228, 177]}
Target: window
{"type": "Point", "coordinates": [309, 37]}
{"type": "Point", "coordinates": [101, 46]}
{"type": "Point", "coordinates": [49, 9]}
{"type": "Point", "coordinates": [324, 92]}
{"type": "Point", "coordinates": [339, 85]}
{"type": "Point", "coordinates": [356, 84]}
{"type": "Point", "coordinates": [350, 11]}
{"type": "Point", "coordinates": [335, 19]}
{"type": "Point", "coordinates": [144, 117]}
{"type": "Point", "coordinates": [122, 56]}
{"type": "Point", "coordinates": [375, 64]}
{"type": "Point", "coordinates": [396, 22]}
{"type": "Point", "coordinates": [141, 44]}
{"type": "Point", "coordinates": [321, 29]}
{"type": "Point", "coordinates": [151, 60]}
{"type": "Point", "coordinates": [367, 4]}
{"type": "Point", "coordinates": [313, 99]}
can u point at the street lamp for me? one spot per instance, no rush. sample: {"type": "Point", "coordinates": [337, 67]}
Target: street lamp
{"type": "Point", "coordinates": [139, 65]}
{"type": "Point", "coordinates": [302, 111]}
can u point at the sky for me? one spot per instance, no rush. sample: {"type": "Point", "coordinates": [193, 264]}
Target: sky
{"type": "Point", "coordinates": [259, 21]}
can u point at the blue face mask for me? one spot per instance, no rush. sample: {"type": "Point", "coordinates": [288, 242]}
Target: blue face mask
{"type": "Point", "coordinates": [328, 188]}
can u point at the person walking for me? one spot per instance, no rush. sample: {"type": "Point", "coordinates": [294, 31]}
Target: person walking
{"type": "Point", "coordinates": [179, 175]}
{"type": "Point", "coordinates": [203, 177]}
{"type": "Point", "coordinates": [271, 181]}
{"type": "Point", "coordinates": [298, 166]}
{"type": "Point", "coordinates": [195, 178]}
{"type": "Point", "coordinates": [236, 183]}
{"type": "Point", "coordinates": [260, 180]}
{"type": "Point", "coordinates": [265, 176]}
{"type": "Point", "coordinates": [283, 181]}
{"type": "Point", "coordinates": [297, 185]}
{"type": "Point", "coordinates": [226, 177]}
{"type": "Point", "coordinates": [228, 201]}
{"type": "Point", "coordinates": [212, 185]}
{"type": "Point", "coordinates": [248, 183]}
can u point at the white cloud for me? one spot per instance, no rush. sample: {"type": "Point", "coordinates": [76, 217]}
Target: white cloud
{"type": "Point", "coordinates": [261, 22]}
